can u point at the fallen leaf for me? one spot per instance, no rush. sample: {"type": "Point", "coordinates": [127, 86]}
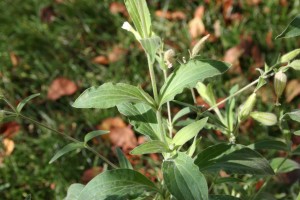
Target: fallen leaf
{"type": "Point", "coordinates": [61, 87]}
{"type": "Point", "coordinates": [196, 25]}
{"type": "Point", "coordinates": [232, 56]}
{"type": "Point", "coordinates": [257, 57]}
{"type": "Point", "coordinates": [253, 2]}
{"type": "Point", "coordinates": [292, 90]}
{"type": "Point", "coordinates": [9, 129]}
{"type": "Point", "coordinates": [123, 138]}
{"type": "Point", "coordinates": [89, 174]}
{"type": "Point", "coordinates": [109, 124]}
{"type": "Point", "coordinates": [117, 7]}
{"type": "Point", "coordinates": [230, 13]}
{"type": "Point", "coordinates": [176, 15]}
{"type": "Point", "coordinates": [47, 14]}
{"type": "Point", "coordinates": [259, 184]}
{"type": "Point", "coordinates": [103, 60]}
{"type": "Point", "coordinates": [9, 146]}
{"type": "Point", "coordinates": [284, 3]}
{"type": "Point", "coordinates": [15, 60]}
{"type": "Point", "coordinates": [116, 54]}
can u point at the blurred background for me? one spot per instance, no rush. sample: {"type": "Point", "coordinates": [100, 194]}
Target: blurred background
{"type": "Point", "coordinates": [61, 47]}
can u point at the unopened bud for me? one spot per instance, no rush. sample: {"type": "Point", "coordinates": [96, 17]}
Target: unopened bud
{"type": "Point", "coordinates": [247, 107]}
{"type": "Point", "coordinates": [169, 57]}
{"type": "Point", "coordinates": [126, 26]}
{"type": "Point", "coordinates": [279, 83]}
{"type": "Point", "coordinates": [290, 55]}
{"type": "Point", "coordinates": [198, 46]}
{"type": "Point", "coordinates": [266, 118]}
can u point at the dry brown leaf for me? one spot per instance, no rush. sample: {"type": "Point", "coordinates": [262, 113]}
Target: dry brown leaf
{"type": "Point", "coordinates": [109, 124]}
{"type": "Point", "coordinates": [116, 54]}
{"type": "Point", "coordinates": [9, 129]}
{"type": "Point", "coordinates": [232, 56]}
{"type": "Point", "coordinates": [9, 146]}
{"type": "Point", "coordinates": [199, 12]}
{"type": "Point", "coordinates": [292, 90]}
{"type": "Point", "coordinates": [61, 87]}
{"type": "Point", "coordinates": [89, 174]}
{"type": "Point", "coordinates": [102, 60]}
{"type": "Point", "coordinates": [124, 138]}
{"type": "Point", "coordinates": [196, 27]}
{"type": "Point", "coordinates": [117, 7]}
{"type": "Point", "coordinates": [253, 2]}
{"type": "Point", "coordinates": [257, 57]}
{"type": "Point", "coordinates": [176, 15]}
{"type": "Point", "coordinates": [15, 60]}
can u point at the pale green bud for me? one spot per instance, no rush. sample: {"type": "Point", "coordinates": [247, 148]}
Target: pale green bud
{"type": "Point", "coordinates": [199, 46]}
{"type": "Point", "coordinates": [206, 93]}
{"type": "Point", "coordinates": [290, 55]}
{"type": "Point", "coordinates": [266, 118]}
{"type": "Point", "coordinates": [247, 107]}
{"type": "Point", "coordinates": [280, 80]}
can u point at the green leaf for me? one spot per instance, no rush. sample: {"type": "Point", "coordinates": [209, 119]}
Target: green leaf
{"type": "Point", "coordinates": [124, 162]}
{"type": "Point", "coordinates": [183, 179]}
{"type": "Point", "coordinates": [154, 146]}
{"type": "Point", "coordinates": [188, 132]}
{"type": "Point", "coordinates": [292, 30]}
{"type": "Point", "coordinates": [297, 133]}
{"type": "Point", "coordinates": [140, 15]}
{"type": "Point", "coordinates": [295, 115]}
{"type": "Point", "coordinates": [235, 158]}
{"type": "Point", "coordinates": [118, 184]}
{"type": "Point", "coordinates": [187, 75]}
{"type": "Point", "coordinates": [181, 113]}
{"type": "Point", "coordinates": [290, 56]}
{"type": "Point", "coordinates": [227, 180]}
{"type": "Point", "coordinates": [295, 64]}
{"type": "Point", "coordinates": [190, 152]}
{"type": "Point", "coordinates": [261, 82]}
{"type": "Point", "coordinates": [109, 95]}
{"type": "Point", "coordinates": [206, 92]}
{"type": "Point", "coordinates": [222, 197]}
{"type": "Point", "coordinates": [282, 165]}
{"type": "Point", "coordinates": [74, 191]}
{"type": "Point", "coordinates": [25, 101]}
{"type": "Point", "coordinates": [66, 149]}
{"type": "Point", "coordinates": [151, 45]}
{"type": "Point", "coordinates": [142, 117]}
{"type": "Point", "coordinates": [94, 134]}
{"type": "Point", "coordinates": [269, 144]}
{"type": "Point", "coordinates": [230, 105]}
{"type": "Point", "coordinates": [296, 151]}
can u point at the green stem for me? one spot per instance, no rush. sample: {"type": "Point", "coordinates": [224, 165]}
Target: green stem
{"type": "Point", "coordinates": [153, 79]}
{"type": "Point", "coordinates": [161, 128]}
{"type": "Point", "coordinates": [170, 125]}
{"type": "Point", "coordinates": [69, 138]}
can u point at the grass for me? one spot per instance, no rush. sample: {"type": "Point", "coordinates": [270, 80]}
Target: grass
{"type": "Point", "coordinates": [66, 47]}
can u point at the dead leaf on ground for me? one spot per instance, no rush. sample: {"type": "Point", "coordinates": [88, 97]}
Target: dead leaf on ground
{"type": "Point", "coordinates": [169, 15]}
{"type": "Point", "coordinates": [9, 129]}
{"type": "Point", "coordinates": [61, 87]}
{"type": "Point", "coordinates": [123, 138]}
{"type": "Point", "coordinates": [253, 2]}
{"type": "Point", "coordinates": [258, 58]}
{"type": "Point", "coordinates": [269, 39]}
{"type": "Point", "coordinates": [232, 56]}
{"type": "Point", "coordinates": [196, 25]}
{"type": "Point", "coordinates": [292, 90]}
{"type": "Point", "coordinates": [117, 7]}
{"type": "Point", "coordinates": [102, 60]}
{"type": "Point", "coordinates": [109, 124]}
{"type": "Point", "coordinates": [9, 146]}
{"type": "Point", "coordinates": [89, 174]}
{"type": "Point", "coordinates": [230, 13]}
{"type": "Point", "coordinates": [15, 60]}
{"type": "Point", "coordinates": [116, 54]}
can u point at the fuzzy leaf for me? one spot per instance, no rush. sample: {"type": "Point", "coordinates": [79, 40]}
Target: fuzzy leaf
{"type": "Point", "coordinates": [292, 30]}
{"type": "Point", "coordinates": [66, 149]}
{"type": "Point", "coordinates": [188, 132]}
{"type": "Point", "coordinates": [183, 179]}
{"type": "Point", "coordinates": [236, 159]}
{"type": "Point", "coordinates": [117, 184]}
{"type": "Point", "coordinates": [187, 75]}
{"type": "Point", "coordinates": [151, 46]}
{"type": "Point", "coordinates": [154, 146]}
{"type": "Point", "coordinates": [74, 191]}
{"type": "Point", "coordinates": [109, 95]}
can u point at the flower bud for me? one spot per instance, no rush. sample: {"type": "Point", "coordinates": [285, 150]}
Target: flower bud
{"type": "Point", "coordinates": [198, 46]}
{"type": "Point", "coordinates": [279, 83]}
{"type": "Point", "coordinates": [266, 118]}
{"type": "Point", "coordinates": [247, 107]}
{"type": "Point", "coordinates": [290, 55]}
{"type": "Point", "coordinates": [169, 57]}
{"type": "Point", "coordinates": [126, 26]}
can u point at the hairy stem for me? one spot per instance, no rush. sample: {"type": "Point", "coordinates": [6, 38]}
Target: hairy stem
{"type": "Point", "coordinates": [69, 138]}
